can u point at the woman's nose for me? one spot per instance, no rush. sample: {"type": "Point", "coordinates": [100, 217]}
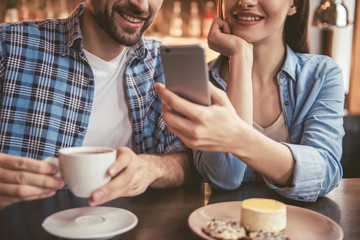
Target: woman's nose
{"type": "Point", "coordinates": [247, 3]}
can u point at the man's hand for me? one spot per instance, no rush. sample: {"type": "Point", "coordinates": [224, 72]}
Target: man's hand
{"type": "Point", "coordinates": [132, 174]}
{"type": "Point", "coordinates": [23, 179]}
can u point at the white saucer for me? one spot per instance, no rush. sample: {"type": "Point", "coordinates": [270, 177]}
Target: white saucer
{"type": "Point", "coordinates": [90, 222]}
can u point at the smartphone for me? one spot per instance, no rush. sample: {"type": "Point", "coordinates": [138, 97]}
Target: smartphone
{"type": "Point", "coordinates": [186, 72]}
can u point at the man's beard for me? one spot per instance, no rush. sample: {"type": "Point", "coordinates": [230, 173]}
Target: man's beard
{"type": "Point", "coordinates": [123, 35]}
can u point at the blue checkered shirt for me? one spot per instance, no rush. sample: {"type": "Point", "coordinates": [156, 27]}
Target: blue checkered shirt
{"type": "Point", "coordinates": [47, 90]}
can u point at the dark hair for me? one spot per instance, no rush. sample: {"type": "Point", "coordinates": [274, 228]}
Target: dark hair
{"type": "Point", "coordinates": [296, 26]}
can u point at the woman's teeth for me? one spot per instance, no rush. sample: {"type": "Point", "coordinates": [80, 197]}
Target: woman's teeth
{"type": "Point", "coordinates": [248, 18]}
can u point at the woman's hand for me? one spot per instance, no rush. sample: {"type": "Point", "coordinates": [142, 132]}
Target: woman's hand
{"type": "Point", "coordinates": [222, 41]}
{"type": "Point", "coordinates": [237, 72]}
{"type": "Point", "coordinates": [209, 128]}
{"type": "Point", "coordinates": [218, 128]}
{"type": "Point", "coordinates": [24, 179]}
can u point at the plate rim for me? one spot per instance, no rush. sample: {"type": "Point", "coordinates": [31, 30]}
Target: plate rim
{"type": "Point", "coordinates": [203, 235]}
{"type": "Point", "coordinates": [95, 236]}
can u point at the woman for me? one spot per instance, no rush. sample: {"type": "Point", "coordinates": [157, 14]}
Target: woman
{"type": "Point", "coordinates": [280, 117]}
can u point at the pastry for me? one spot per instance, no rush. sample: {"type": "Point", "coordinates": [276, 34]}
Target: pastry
{"type": "Point", "coordinates": [260, 214]}
{"type": "Point", "coordinates": [224, 229]}
{"type": "Point", "coordinates": [267, 236]}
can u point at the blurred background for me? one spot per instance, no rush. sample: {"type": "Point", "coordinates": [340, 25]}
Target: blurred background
{"type": "Point", "coordinates": [187, 22]}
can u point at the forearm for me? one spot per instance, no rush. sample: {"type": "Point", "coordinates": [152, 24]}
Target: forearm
{"type": "Point", "coordinates": [270, 158]}
{"type": "Point", "coordinates": [239, 86]}
{"type": "Point", "coordinates": [171, 170]}
{"type": "Point", "coordinates": [316, 173]}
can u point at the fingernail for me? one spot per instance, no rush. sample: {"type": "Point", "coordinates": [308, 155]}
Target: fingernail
{"type": "Point", "coordinates": [59, 183]}
{"type": "Point", "coordinates": [97, 196]}
{"type": "Point", "coordinates": [112, 171]}
{"type": "Point", "coordinates": [160, 85]}
{"type": "Point", "coordinates": [53, 169]}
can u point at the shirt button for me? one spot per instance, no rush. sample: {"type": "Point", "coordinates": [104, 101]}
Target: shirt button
{"type": "Point", "coordinates": [286, 103]}
{"type": "Point", "coordinates": [281, 76]}
{"type": "Point", "coordinates": [81, 129]}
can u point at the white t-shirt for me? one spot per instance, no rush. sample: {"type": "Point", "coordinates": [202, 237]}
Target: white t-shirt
{"type": "Point", "coordinates": [278, 131]}
{"type": "Point", "coordinates": [109, 124]}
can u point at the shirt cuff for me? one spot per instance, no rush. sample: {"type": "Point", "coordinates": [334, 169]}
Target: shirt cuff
{"type": "Point", "coordinates": [308, 175]}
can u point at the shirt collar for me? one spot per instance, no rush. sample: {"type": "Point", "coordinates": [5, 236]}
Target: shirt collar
{"type": "Point", "coordinates": [139, 50]}
{"type": "Point", "coordinates": [72, 29]}
{"type": "Point", "coordinates": [290, 64]}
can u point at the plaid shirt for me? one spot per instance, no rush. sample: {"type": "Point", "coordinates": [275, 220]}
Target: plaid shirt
{"type": "Point", "coordinates": [47, 90]}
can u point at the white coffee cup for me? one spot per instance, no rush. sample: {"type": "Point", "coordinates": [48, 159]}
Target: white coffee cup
{"type": "Point", "coordinates": [84, 169]}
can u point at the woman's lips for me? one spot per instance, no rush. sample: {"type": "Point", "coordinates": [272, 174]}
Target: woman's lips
{"type": "Point", "coordinates": [247, 19]}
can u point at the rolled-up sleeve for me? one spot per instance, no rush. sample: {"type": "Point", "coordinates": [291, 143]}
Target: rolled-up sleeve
{"type": "Point", "coordinates": [317, 156]}
{"type": "Point", "coordinates": [221, 170]}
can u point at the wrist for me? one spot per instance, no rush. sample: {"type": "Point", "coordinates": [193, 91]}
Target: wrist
{"type": "Point", "coordinates": [242, 61]}
{"type": "Point", "coordinates": [247, 138]}
{"type": "Point", "coordinates": [155, 171]}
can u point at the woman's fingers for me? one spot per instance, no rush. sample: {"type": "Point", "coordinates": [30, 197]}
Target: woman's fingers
{"type": "Point", "coordinates": [220, 38]}
{"type": "Point", "coordinates": [178, 124]}
{"type": "Point", "coordinates": [218, 96]}
{"type": "Point", "coordinates": [180, 105]}
{"type": "Point", "coordinates": [188, 108]}
{"type": "Point", "coordinates": [221, 26]}
{"type": "Point", "coordinates": [186, 119]}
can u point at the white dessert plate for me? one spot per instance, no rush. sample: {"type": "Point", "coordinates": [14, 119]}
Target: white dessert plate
{"type": "Point", "coordinates": [90, 222]}
{"type": "Point", "coordinates": [301, 222]}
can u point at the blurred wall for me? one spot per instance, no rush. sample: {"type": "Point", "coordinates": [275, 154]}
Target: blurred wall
{"type": "Point", "coordinates": [342, 40]}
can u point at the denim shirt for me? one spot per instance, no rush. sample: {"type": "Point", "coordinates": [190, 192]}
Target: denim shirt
{"type": "Point", "coordinates": [312, 100]}
{"type": "Point", "coordinates": [47, 90]}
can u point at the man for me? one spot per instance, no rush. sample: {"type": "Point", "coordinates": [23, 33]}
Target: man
{"type": "Point", "coordinates": [85, 80]}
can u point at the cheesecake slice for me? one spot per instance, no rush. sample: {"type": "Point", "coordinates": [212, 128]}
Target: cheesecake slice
{"type": "Point", "coordinates": [260, 214]}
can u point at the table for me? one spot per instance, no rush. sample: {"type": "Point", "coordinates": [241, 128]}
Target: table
{"type": "Point", "coordinates": [163, 214]}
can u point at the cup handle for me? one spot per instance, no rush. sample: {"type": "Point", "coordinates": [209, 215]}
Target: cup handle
{"type": "Point", "coordinates": [54, 161]}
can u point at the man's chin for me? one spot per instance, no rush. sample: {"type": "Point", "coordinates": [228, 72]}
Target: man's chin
{"type": "Point", "coordinates": [130, 41]}
{"type": "Point", "coordinates": [129, 37]}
